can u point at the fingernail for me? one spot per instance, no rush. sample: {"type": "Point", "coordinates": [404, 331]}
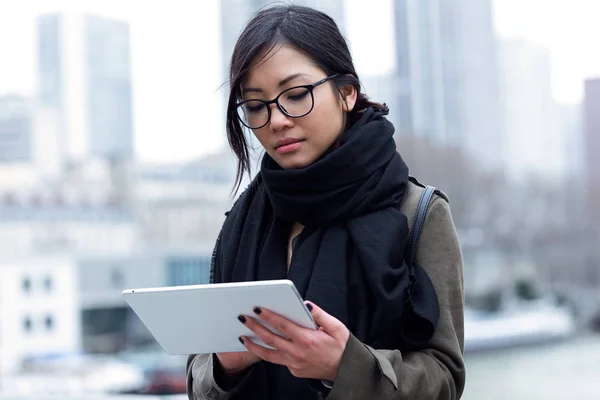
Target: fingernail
{"type": "Point", "coordinates": [309, 306]}
{"type": "Point", "coordinates": [257, 311]}
{"type": "Point", "coordinates": [242, 319]}
{"type": "Point", "coordinates": [241, 340]}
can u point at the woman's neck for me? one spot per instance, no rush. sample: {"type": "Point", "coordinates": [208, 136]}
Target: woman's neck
{"type": "Point", "coordinates": [294, 234]}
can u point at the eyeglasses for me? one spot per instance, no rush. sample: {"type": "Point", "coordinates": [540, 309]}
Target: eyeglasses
{"type": "Point", "coordinates": [295, 102]}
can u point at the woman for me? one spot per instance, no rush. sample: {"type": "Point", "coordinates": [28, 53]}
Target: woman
{"type": "Point", "coordinates": [330, 210]}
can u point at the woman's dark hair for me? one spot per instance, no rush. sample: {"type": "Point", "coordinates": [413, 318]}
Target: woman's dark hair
{"type": "Point", "coordinates": [306, 29]}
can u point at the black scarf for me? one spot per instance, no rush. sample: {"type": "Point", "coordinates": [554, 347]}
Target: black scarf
{"type": "Point", "coordinates": [349, 259]}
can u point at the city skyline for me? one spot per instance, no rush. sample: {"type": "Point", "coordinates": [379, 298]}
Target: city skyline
{"type": "Point", "coordinates": [173, 126]}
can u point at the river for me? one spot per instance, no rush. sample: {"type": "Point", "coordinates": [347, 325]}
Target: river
{"type": "Point", "coordinates": [558, 371]}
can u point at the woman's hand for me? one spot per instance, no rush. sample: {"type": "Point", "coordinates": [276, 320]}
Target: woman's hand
{"type": "Point", "coordinates": [235, 362]}
{"type": "Point", "coordinates": [307, 353]}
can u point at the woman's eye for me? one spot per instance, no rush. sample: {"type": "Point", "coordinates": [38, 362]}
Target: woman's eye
{"type": "Point", "coordinates": [296, 96]}
{"type": "Point", "coordinates": [253, 108]}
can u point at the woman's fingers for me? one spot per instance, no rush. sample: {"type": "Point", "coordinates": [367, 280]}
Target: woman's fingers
{"type": "Point", "coordinates": [268, 337]}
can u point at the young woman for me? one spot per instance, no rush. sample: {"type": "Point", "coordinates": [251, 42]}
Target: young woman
{"type": "Point", "coordinates": [331, 210]}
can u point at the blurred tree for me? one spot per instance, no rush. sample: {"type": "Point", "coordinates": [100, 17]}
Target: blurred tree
{"type": "Point", "coordinates": [535, 220]}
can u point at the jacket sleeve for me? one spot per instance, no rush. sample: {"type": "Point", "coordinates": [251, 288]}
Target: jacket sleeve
{"type": "Point", "coordinates": [437, 372]}
{"type": "Point", "coordinates": [203, 384]}
{"type": "Point", "coordinates": [200, 380]}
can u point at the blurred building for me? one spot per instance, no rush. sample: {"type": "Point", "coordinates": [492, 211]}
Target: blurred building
{"type": "Point", "coordinates": [60, 305]}
{"type": "Point", "coordinates": [374, 59]}
{"type": "Point", "coordinates": [448, 85]}
{"type": "Point", "coordinates": [163, 234]}
{"type": "Point", "coordinates": [57, 223]}
{"type": "Point", "coordinates": [29, 144]}
{"type": "Point", "coordinates": [108, 324]}
{"type": "Point", "coordinates": [178, 211]}
{"type": "Point", "coordinates": [572, 128]}
{"type": "Point", "coordinates": [420, 70]}
{"type": "Point", "coordinates": [15, 130]}
{"type": "Point", "coordinates": [49, 158]}
{"type": "Point", "coordinates": [592, 146]}
{"type": "Point", "coordinates": [535, 145]}
{"type": "Point", "coordinates": [39, 309]}
{"type": "Point", "coordinates": [185, 205]}
{"type": "Point", "coordinates": [84, 77]}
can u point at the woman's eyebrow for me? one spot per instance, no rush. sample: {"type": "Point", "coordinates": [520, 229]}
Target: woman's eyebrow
{"type": "Point", "coordinates": [280, 84]}
{"type": "Point", "coordinates": [290, 78]}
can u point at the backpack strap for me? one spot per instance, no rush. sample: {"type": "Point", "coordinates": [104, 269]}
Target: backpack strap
{"type": "Point", "coordinates": [418, 223]}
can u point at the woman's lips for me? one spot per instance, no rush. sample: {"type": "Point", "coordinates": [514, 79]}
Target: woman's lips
{"type": "Point", "coordinates": [288, 145]}
{"type": "Point", "coordinates": [289, 148]}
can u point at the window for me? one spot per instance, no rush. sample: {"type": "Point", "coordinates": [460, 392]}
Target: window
{"type": "Point", "coordinates": [187, 271]}
{"type": "Point", "coordinates": [27, 285]}
{"type": "Point", "coordinates": [48, 284]}
{"type": "Point", "coordinates": [104, 321]}
{"type": "Point", "coordinates": [49, 323]}
{"type": "Point", "coordinates": [27, 324]}
{"type": "Point", "coordinates": [116, 278]}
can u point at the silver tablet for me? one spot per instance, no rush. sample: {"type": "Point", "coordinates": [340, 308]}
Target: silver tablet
{"type": "Point", "coordinates": [202, 319]}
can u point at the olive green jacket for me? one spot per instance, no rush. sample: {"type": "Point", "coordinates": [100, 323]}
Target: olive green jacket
{"type": "Point", "coordinates": [435, 373]}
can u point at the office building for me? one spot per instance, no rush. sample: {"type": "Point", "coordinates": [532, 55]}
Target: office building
{"type": "Point", "coordinates": [448, 88]}
{"type": "Point", "coordinates": [534, 141]}
{"type": "Point", "coordinates": [39, 311]}
{"type": "Point", "coordinates": [16, 130]}
{"type": "Point", "coordinates": [84, 76]}
{"type": "Point", "coordinates": [592, 148]}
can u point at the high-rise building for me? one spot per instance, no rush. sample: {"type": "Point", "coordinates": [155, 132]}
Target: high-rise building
{"type": "Point", "coordinates": [370, 34]}
{"type": "Point", "coordinates": [592, 146]}
{"type": "Point", "coordinates": [15, 130]}
{"type": "Point", "coordinates": [534, 142]}
{"type": "Point", "coordinates": [419, 68]}
{"type": "Point", "coordinates": [571, 127]}
{"type": "Point", "coordinates": [447, 71]}
{"type": "Point", "coordinates": [84, 76]}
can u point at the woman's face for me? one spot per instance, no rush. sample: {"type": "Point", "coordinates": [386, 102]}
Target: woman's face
{"type": "Point", "coordinates": [296, 142]}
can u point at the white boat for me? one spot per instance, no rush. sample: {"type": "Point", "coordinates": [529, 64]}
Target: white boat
{"type": "Point", "coordinates": [522, 323]}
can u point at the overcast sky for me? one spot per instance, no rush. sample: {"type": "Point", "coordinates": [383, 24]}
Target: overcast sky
{"type": "Point", "coordinates": [174, 80]}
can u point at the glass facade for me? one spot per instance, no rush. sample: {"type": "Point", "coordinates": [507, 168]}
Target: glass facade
{"type": "Point", "coordinates": [16, 131]}
{"type": "Point", "coordinates": [107, 99]}
{"type": "Point", "coordinates": [108, 81]}
{"type": "Point", "coordinates": [187, 271]}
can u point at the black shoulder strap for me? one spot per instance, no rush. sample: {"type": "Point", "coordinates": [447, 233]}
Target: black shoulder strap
{"type": "Point", "coordinates": [417, 227]}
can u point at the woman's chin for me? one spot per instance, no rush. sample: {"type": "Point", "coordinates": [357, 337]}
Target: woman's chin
{"type": "Point", "coordinates": [293, 162]}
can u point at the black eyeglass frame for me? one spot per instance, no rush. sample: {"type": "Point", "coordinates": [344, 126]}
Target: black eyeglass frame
{"type": "Point", "coordinates": [267, 103]}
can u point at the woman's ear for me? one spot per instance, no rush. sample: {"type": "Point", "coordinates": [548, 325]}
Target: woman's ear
{"type": "Point", "coordinates": [349, 96]}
